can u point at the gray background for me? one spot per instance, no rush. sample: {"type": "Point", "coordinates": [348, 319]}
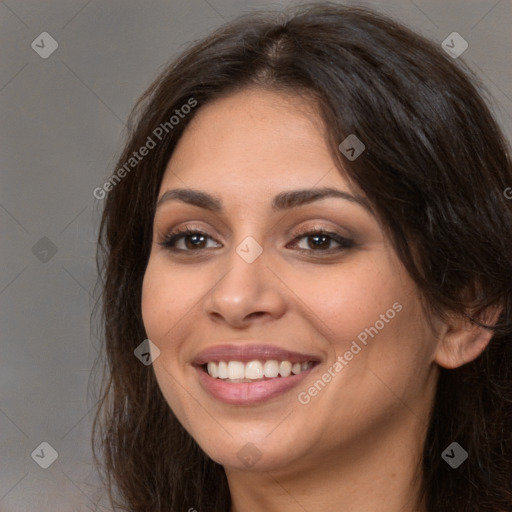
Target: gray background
{"type": "Point", "coordinates": [62, 128]}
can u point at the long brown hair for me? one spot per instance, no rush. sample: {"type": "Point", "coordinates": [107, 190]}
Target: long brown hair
{"type": "Point", "coordinates": [435, 169]}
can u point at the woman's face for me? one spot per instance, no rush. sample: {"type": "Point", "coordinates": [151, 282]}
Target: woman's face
{"type": "Point", "coordinates": [257, 298]}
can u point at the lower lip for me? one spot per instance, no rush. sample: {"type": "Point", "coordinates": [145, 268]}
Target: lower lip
{"type": "Point", "coordinates": [247, 393]}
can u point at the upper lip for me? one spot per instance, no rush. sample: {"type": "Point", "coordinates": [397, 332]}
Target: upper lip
{"type": "Point", "coordinates": [246, 353]}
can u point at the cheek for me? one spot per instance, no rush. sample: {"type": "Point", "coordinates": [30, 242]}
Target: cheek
{"type": "Point", "coordinates": [346, 300]}
{"type": "Point", "coordinates": [369, 312]}
{"type": "Point", "coordinates": [167, 297]}
{"type": "Point", "coordinates": [164, 303]}
{"type": "Point", "coordinates": [171, 308]}
{"type": "Point", "coordinates": [156, 304]}
{"type": "Point", "coordinates": [162, 308]}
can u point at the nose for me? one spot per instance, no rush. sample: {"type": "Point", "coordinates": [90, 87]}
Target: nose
{"type": "Point", "coordinates": [246, 293]}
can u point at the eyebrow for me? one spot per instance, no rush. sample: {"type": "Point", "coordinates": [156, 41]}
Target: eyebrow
{"type": "Point", "coordinates": [282, 201]}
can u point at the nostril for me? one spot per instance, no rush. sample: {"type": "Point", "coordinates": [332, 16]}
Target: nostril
{"type": "Point", "coordinates": [256, 314]}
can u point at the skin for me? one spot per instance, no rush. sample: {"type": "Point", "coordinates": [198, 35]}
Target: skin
{"type": "Point", "coordinates": [357, 444]}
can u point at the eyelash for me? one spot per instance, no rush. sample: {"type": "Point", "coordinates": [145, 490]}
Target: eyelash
{"type": "Point", "coordinates": [344, 243]}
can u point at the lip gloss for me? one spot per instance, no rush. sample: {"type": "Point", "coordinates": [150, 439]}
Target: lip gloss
{"type": "Point", "coordinates": [248, 393]}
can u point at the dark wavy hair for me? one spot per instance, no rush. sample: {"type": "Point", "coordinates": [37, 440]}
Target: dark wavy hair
{"type": "Point", "coordinates": [435, 170]}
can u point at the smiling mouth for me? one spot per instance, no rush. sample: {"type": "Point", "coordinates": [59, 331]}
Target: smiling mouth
{"type": "Point", "coordinates": [246, 375]}
{"type": "Point", "coordinates": [256, 370]}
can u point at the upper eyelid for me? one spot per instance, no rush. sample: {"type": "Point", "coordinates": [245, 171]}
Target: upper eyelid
{"type": "Point", "coordinates": [183, 231]}
{"type": "Point", "coordinates": [227, 233]}
{"type": "Point", "coordinates": [180, 233]}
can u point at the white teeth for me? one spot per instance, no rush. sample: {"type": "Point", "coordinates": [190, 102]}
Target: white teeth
{"type": "Point", "coordinates": [296, 368]}
{"type": "Point", "coordinates": [212, 370]}
{"type": "Point", "coordinates": [271, 369]}
{"type": "Point", "coordinates": [253, 370]}
{"type": "Point", "coordinates": [285, 368]}
{"type": "Point", "coordinates": [237, 371]}
{"type": "Point", "coordinates": [222, 370]}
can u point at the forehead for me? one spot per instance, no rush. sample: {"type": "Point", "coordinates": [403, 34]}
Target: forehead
{"type": "Point", "coordinates": [254, 141]}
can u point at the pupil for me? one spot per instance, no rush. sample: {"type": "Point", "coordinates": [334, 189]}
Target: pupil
{"type": "Point", "coordinates": [317, 238]}
{"type": "Point", "coordinates": [194, 239]}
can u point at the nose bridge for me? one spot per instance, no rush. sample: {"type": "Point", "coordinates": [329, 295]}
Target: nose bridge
{"type": "Point", "coordinates": [247, 286]}
{"type": "Point", "coordinates": [246, 269]}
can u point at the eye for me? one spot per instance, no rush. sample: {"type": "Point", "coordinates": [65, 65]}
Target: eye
{"type": "Point", "coordinates": [319, 240]}
{"type": "Point", "coordinates": [193, 240]}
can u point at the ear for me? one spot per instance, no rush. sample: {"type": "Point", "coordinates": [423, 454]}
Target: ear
{"type": "Point", "coordinates": [462, 341]}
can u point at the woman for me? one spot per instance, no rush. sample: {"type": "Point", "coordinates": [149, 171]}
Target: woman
{"type": "Point", "coordinates": [308, 222]}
